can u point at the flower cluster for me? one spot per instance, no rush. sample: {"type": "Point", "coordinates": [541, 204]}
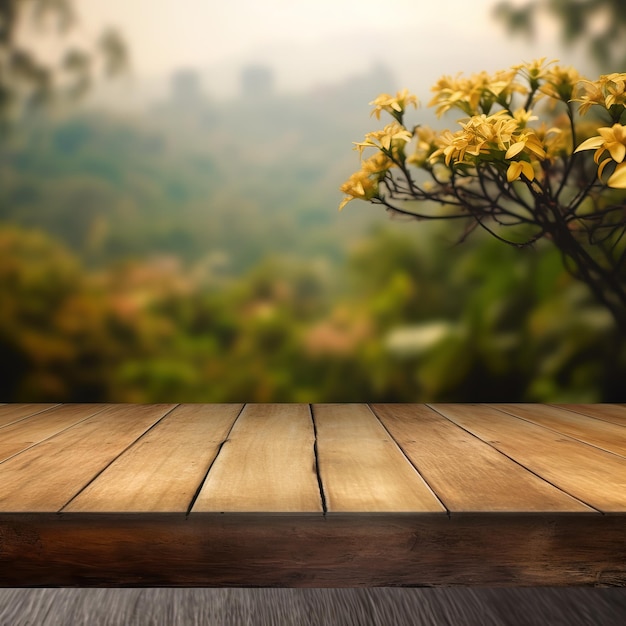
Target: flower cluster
{"type": "Point", "coordinates": [478, 93]}
{"type": "Point", "coordinates": [390, 140]}
{"type": "Point", "coordinates": [359, 186]}
{"type": "Point", "coordinates": [559, 83]}
{"type": "Point", "coordinates": [609, 91]}
{"type": "Point", "coordinates": [395, 106]}
{"type": "Point", "coordinates": [493, 138]}
{"type": "Point", "coordinates": [364, 183]}
{"type": "Point", "coordinates": [496, 144]}
{"type": "Point", "coordinates": [611, 140]}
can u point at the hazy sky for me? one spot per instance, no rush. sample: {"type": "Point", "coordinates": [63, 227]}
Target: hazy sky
{"type": "Point", "coordinates": [174, 32]}
{"type": "Point", "coordinates": [310, 41]}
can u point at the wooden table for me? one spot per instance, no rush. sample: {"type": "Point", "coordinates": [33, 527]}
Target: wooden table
{"type": "Point", "coordinates": [312, 495]}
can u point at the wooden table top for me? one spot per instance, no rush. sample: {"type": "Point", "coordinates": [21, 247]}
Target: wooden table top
{"type": "Point", "coordinates": [439, 459]}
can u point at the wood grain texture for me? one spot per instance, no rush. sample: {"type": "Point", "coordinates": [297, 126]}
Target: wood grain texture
{"type": "Point", "coordinates": [29, 431]}
{"type": "Point", "coordinates": [467, 474]}
{"type": "Point", "coordinates": [351, 550]}
{"type": "Point", "coordinates": [615, 413]}
{"type": "Point", "coordinates": [267, 464]}
{"type": "Point", "coordinates": [128, 474]}
{"type": "Point", "coordinates": [593, 476]}
{"type": "Point", "coordinates": [47, 476]}
{"type": "Point", "coordinates": [606, 435]}
{"type": "Point", "coordinates": [163, 470]}
{"type": "Point", "coordinates": [10, 413]}
{"type": "Point", "coordinates": [361, 466]}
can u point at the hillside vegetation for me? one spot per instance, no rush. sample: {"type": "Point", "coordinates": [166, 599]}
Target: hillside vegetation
{"type": "Point", "coordinates": [196, 254]}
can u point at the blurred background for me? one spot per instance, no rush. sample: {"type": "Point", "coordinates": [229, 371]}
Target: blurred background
{"type": "Point", "coordinates": [173, 235]}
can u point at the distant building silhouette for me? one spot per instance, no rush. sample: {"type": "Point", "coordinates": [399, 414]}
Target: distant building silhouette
{"type": "Point", "coordinates": [257, 81]}
{"type": "Point", "coordinates": [187, 97]}
{"type": "Point", "coordinates": [185, 88]}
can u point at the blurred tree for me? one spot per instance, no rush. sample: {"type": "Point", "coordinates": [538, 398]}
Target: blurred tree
{"type": "Point", "coordinates": [55, 341]}
{"type": "Point", "coordinates": [54, 337]}
{"type": "Point", "coordinates": [27, 80]}
{"type": "Point", "coordinates": [525, 328]}
{"type": "Point", "coordinates": [600, 25]}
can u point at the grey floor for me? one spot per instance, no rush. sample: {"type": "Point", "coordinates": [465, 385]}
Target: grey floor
{"type": "Point", "coordinates": [345, 607]}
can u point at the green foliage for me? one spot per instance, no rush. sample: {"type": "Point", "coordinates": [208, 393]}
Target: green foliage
{"type": "Point", "coordinates": [114, 188]}
{"type": "Point", "coordinates": [54, 330]}
{"type": "Point", "coordinates": [191, 278]}
{"type": "Point", "coordinates": [477, 324]}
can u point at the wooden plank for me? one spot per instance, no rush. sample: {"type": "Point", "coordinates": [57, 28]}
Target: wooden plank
{"type": "Point", "coordinates": [270, 455]}
{"type": "Point", "coordinates": [163, 470]}
{"type": "Point", "coordinates": [29, 431]}
{"type": "Point", "coordinates": [615, 413]}
{"type": "Point", "coordinates": [362, 468]}
{"type": "Point", "coordinates": [593, 476]}
{"type": "Point", "coordinates": [605, 435]}
{"type": "Point", "coordinates": [342, 550]}
{"type": "Point", "coordinates": [47, 476]}
{"type": "Point", "coordinates": [267, 464]}
{"type": "Point", "coordinates": [467, 474]}
{"type": "Point", "coordinates": [10, 413]}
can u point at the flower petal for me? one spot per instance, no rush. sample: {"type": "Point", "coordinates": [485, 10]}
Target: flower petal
{"type": "Point", "coordinates": [617, 151]}
{"type": "Point", "coordinates": [514, 149]}
{"type": "Point", "coordinates": [617, 180]}
{"type": "Point", "coordinates": [527, 170]}
{"type": "Point", "coordinates": [514, 171]}
{"type": "Point", "coordinates": [590, 144]}
{"type": "Point", "coordinates": [534, 145]}
{"type": "Point", "coordinates": [345, 201]}
{"type": "Point", "coordinates": [602, 166]}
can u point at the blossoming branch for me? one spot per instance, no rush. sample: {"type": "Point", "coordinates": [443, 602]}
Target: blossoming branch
{"type": "Point", "coordinates": [518, 165]}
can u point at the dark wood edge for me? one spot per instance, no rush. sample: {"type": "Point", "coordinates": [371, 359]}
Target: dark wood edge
{"type": "Point", "coordinates": [303, 550]}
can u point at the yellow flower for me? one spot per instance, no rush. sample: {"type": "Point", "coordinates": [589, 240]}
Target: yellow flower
{"type": "Point", "coordinates": [555, 141]}
{"type": "Point", "coordinates": [393, 105]}
{"type": "Point", "coordinates": [617, 180]}
{"type": "Point", "coordinates": [615, 141]}
{"type": "Point", "coordinates": [517, 168]}
{"type": "Point", "coordinates": [592, 94]}
{"type": "Point", "coordinates": [527, 141]}
{"type": "Point", "coordinates": [497, 136]}
{"type": "Point", "coordinates": [378, 163]}
{"type": "Point", "coordinates": [608, 91]}
{"type": "Point", "coordinates": [612, 139]}
{"type": "Point", "coordinates": [393, 135]}
{"type": "Point", "coordinates": [359, 186]}
{"type": "Point", "coordinates": [523, 116]}
{"type": "Point", "coordinates": [476, 94]}
{"type": "Point", "coordinates": [534, 70]}
{"type": "Point", "coordinates": [615, 89]}
{"type": "Point", "coordinates": [560, 82]}
{"type": "Point", "coordinates": [426, 145]}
